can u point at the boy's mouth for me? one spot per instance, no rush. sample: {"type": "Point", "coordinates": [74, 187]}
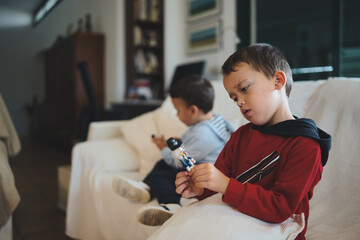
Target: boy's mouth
{"type": "Point", "coordinates": [246, 112]}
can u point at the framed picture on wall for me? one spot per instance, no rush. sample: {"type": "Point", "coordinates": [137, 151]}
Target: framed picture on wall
{"type": "Point", "coordinates": [204, 37]}
{"type": "Point", "coordinates": [197, 9]}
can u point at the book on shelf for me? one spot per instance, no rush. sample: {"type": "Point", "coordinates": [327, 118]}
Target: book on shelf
{"type": "Point", "coordinates": [138, 36]}
{"type": "Point", "coordinates": [150, 38]}
{"type": "Point", "coordinates": [146, 62]}
{"type": "Point", "coordinates": [141, 90]}
{"type": "Point", "coordinates": [136, 9]}
{"type": "Point", "coordinates": [147, 38]}
{"type": "Point", "coordinates": [147, 10]}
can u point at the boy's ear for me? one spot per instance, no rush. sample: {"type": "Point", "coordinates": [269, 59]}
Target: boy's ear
{"type": "Point", "coordinates": [280, 79]}
{"type": "Point", "coordinates": [194, 109]}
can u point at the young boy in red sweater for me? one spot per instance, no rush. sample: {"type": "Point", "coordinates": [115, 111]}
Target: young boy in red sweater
{"type": "Point", "coordinates": [269, 167]}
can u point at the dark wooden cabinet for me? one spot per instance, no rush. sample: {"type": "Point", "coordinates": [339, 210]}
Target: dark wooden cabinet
{"type": "Point", "coordinates": [65, 95]}
{"type": "Point", "coordinates": [145, 46]}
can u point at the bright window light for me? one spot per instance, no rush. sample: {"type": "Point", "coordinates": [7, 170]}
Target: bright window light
{"type": "Point", "coordinates": [312, 70]}
{"type": "Point", "coordinates": [44, 9]}
{"type": "Point", "coordinates": [10, 18]}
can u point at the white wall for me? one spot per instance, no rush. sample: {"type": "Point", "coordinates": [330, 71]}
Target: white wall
{"type": "Point", "coordinates": [175, 33]}
{"type": "Point", "coordinates": [22, 64]}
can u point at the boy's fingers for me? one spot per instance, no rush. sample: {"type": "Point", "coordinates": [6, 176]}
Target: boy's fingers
{"type": "Point", "coordinates": [180, 188]}
{"type": "Point", "coordinates": [187, 193]}
{"type": "Point", "coordinates": [201, 168]}
{"type": "Point", "coordinates": [201, 178]}
{"type": "Point", "coordinates": [181, 174]}
{"type": "Point", "coordinates": [181, 177]}
{"type": "Point", "coordinates": [202, 182]}
{"type": "Point", "coordinates": [180, 180]}
{"type": "Point", "coordinates": [199, 172]}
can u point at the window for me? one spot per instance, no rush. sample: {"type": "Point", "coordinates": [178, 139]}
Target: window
{"type": "Point", "coordinates": [45, 7]}
{"type": "Point", "coordinates": [319, 38]}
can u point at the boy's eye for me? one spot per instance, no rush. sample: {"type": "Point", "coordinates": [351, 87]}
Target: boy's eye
{"type": "Point", "coordinates": [245, 88]}
{"type": "Point", "coordinates": [235, 99]}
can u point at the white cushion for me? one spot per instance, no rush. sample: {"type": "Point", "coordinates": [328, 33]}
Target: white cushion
{"type": "Point", "coordinates": [213, 219]}
{"type": "Point", "coordinates": [137, 133]}
{"type": "Point", "coordinates": [167, 122]}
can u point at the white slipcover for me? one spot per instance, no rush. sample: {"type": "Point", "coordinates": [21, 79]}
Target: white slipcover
{"type": "Point", "coordinates": [96, 212]}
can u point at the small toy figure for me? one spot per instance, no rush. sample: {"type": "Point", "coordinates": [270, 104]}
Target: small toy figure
{"type": "Point", "coordinates": [180, 153]}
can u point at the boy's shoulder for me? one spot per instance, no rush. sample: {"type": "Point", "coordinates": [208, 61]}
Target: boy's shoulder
{"type": "Point", "coordinates": [303, 127]}
{"type": "Point", "coordinates": [299, 128]}
{"type": "Point", "coordinates": [211, 128]}
{"type": "Point", "coordinates": [291, 128]}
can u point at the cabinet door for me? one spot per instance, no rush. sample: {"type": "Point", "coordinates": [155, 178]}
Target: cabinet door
{"type": "Point", "coordinates": [59, 95]}
{"type": "Point", "coordinates": [89, 47]}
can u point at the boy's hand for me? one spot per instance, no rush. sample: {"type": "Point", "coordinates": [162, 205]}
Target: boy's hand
{"type": "Point", "coordinates": [208, 176]}
{"type": "Point", "coordinates": [185, 185]}
{"type": "Point", "coordinates": [159, 142]}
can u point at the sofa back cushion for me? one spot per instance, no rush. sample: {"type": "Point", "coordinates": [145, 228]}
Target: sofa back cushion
{"type": "Point", "coordinates": [334, 209]}
{"type": "Point", "coordinates": [137, 132]}
{"type": "Point", "coordinates": [226, 107]}
{"type": "Point", "coordinates": [167, 122]}
{"type": "Point", "coordinates": [300, 94]}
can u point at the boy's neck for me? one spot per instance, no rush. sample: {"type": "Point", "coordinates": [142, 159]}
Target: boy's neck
{"type": "Point", "coordinates": [203, 117]}
{"type": "Point", "coordinates": [283, 113]}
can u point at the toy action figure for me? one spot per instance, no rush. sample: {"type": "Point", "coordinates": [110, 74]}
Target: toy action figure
{"type": "Point", "coordinates": [180, 153]}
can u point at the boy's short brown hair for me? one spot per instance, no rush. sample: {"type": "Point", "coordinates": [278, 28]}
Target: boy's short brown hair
{"type": "Point", "coordinates": [263, 58]}
{"type": "Point", "coordinates": [195, 90]}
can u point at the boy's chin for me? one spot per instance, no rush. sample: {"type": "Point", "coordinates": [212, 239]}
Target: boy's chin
{"type": "Point", "coordinates": [258, 122]}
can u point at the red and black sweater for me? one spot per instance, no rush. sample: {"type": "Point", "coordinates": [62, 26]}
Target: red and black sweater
{"type": "Point", "coordinates": [273, 170]}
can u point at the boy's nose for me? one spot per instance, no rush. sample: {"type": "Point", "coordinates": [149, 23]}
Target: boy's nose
{"type": "Point", "coordinates": [240, 102]}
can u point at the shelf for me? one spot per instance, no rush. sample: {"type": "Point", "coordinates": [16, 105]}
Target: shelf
{"type": "Point", "coordinates": [149, 75]}
{"type": "Point", "coordinates": [151, 48]}
{"type": "Point", "coordinates": [148, 23]}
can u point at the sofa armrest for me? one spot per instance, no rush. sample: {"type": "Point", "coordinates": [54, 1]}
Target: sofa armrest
{"type": "Point", "coordinates": [105, 155]}
{"type": "Point", "coordinates": [105, 130]}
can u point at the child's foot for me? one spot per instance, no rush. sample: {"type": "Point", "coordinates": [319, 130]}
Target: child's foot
{"type": "Point", "coordinates": [130, 189]}
{"type": "Point", "coordinates": [156, 215]}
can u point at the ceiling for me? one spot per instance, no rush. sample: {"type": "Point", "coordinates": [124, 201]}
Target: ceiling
{"type": "Point", "coordinates": [28, 6]}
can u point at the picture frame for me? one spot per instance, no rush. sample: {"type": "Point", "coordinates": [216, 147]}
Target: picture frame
{"type": "Point", "coordinates": [204, 37]}
{"type": "Point", "coordinates": [197, 9]}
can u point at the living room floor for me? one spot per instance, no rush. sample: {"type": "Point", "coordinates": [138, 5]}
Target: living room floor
{"type": "Point", "coordinates": [37, 217]}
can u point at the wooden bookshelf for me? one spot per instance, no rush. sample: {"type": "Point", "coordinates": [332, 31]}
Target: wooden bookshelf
{"type": "Point", "coordinates": [145, 46]}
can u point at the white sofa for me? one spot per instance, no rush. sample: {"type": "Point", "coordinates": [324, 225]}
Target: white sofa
{"type": "Point", "coordinates": [94, 211]}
